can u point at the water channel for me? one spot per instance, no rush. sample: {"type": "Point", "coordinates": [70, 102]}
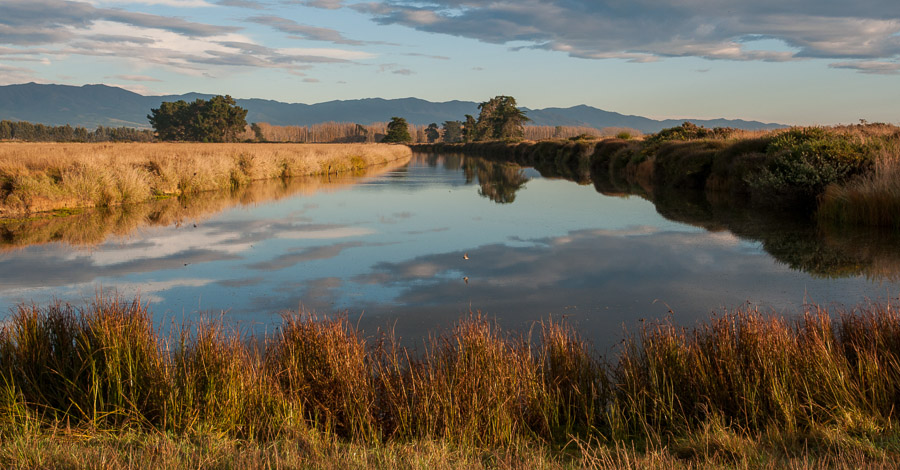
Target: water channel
{"type": "Point", "coordinates": [416, 246]}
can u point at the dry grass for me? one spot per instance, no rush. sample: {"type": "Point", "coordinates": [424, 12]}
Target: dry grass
{"type": "Point", "coordinates": [38, 177]}
{"type": "Point", "coordinates": [870, 199]}
{"type": "Point", "coordinates": [92, 226]}
{"type": "Point", "coordinates": [745, 389]}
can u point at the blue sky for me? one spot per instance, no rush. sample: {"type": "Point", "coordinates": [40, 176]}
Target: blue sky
{"type": "Point", "coordinates": [789, 61]}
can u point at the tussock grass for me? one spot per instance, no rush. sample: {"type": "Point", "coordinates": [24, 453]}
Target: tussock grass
{"type": "Point", "coordinates": [820, 387]}
{"type": "Point", "coordinates": [38, 177]}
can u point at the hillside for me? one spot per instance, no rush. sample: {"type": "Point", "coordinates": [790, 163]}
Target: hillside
{"type": "Point", "coordinates": [93, 105]}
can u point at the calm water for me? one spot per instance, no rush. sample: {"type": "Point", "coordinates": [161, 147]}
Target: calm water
{"type": "Point", "coordinates": [390, 250]}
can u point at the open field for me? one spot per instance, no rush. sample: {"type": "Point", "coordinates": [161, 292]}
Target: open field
{"type": "Point", "coordinates": [101, 386]}
{"type": "Point", "coordinates": [844, 175]}
{"type": "Point", "coordinates": [37, 177]}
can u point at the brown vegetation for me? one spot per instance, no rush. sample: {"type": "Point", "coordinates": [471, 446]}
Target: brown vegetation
{"type": "Point", "coordinates": [38, 177]}
{"type": "Point", "coordinates": [745, 388]}
{"type": "Point", "coordinates": [92, 226]}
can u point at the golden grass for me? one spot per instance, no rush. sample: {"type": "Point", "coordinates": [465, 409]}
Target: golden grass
{"type": "Point", "coordinates": [99, 388]}
{"type": "Point", "coordinates": [89, 227]}
{"type": "Point", "coordinates": [870, 199]}
{"type": "Point", "coordinates": [37, 177]}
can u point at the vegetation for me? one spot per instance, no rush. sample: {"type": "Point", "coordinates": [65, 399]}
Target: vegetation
{"type": "Point", "coordinates": [844, 174]}
{"type": "Point", "coordinates": [452, 132]}
{"type": "Point", "coordinates": [744, 389]}
{"type": "Point", "coordinates": [397, 131]}
{"type": "Point", "coordinates": [28, 132]}
{"type": "Point", "coordinates": [500, 119]}
{"type": "Point", "coordinates": [43, 177]}
{"type": "Point", "coordinates": [218, 119]}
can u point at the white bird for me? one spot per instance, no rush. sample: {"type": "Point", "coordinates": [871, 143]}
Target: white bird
{"type": "Point", "coordinates": [465, 256]}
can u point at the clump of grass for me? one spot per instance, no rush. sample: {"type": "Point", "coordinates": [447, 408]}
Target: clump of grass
{"type": "Point", "coordinates": [324, 366]}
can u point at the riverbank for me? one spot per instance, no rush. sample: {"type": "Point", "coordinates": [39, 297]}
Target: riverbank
{"type": "Point", "coordinates": [842, 175]}
{"type": "Point", "coordinates": [742, 389]}
{"type": "Point", "coordinates": [38, 177]}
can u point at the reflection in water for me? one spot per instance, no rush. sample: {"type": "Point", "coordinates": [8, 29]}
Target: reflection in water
{"type": "Point", "coordinates": [498, 181]}
{"type": "Point", "coordinates": [92, 227]}
{"type": "Point", "coordinates": [390, 248]}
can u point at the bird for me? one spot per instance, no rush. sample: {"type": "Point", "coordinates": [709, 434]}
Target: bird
{"type": "Point", "coordinates": [466, 278]}
{"type": "Point", "coordinates": [465, 256]}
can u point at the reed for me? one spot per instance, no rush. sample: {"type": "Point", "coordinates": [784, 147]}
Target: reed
{"type": "Point", "coordinates": [722, 392]}
{"type": "Point", "coordinates": [38, 177]}
{"type": "Point", "coordinates": [870, 199]}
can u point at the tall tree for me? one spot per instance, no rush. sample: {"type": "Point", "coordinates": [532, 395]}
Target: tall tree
{"type": "Point", "coordinates": [500, 119]}
{"type": "Point", "coordinates": [452, 131]}
{"type": "Point", "coordinates": [217, 120]}
{"type": "Point", "coordinates": [432, 133]}
{"type": "Point", "coordinates": [470, 129]}
{"type": "Point", "coordinates": [397, 131]}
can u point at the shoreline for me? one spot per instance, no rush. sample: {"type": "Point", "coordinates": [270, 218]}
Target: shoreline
{"type": "Point", "coordinates": [45, 177]}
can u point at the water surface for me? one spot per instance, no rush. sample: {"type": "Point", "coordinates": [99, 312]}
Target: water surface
{"type": "Point", "coordinates": [390, 249]}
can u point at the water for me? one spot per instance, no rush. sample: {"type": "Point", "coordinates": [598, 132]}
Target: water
{"type": "Point", "coordinates": [390, 250]}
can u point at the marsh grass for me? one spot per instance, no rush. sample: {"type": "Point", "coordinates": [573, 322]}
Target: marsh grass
{"type": "Point", "coordinates": [817, 386]}
{"type": "Point", "coordinates": [88, 227]}
{"type": "Point", "coordinates": [38, 177]}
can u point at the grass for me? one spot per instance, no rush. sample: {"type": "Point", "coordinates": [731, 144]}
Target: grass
{"type": "Point", "coordinates": [842, 175]}
{"type": "Point", "coordinates": [36, 177]}
{"type": "Point", "coordinates": [101, 387]}
{"type": "Point", "coordinates": [84, 228]}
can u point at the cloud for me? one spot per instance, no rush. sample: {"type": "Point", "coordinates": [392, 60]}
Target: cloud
{"type": "Point", "coordinates": [646, 30]}
{"type": "Point", "coordinates": [39, 29]}
{"type": "Point", "coordinates": [871, 67]}
{"type": "Point", "coordinates": [299, 31]}
{"type": "Point", "coordinates": [136, 78]}
{"type": "Point", "coordinates": [253, 5]}
{"type": "Point", "coordinates": [326, 4]}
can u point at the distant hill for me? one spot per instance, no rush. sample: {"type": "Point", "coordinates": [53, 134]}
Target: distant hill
{"type": "Point", "coordinates": [93, 105]}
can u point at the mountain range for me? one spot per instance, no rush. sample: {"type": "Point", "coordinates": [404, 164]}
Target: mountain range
{"type": "Point", "coordinates": [101, 105]}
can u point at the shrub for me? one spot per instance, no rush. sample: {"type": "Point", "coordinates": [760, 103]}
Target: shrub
{"type": "Point", "coordinates": [803, 161]}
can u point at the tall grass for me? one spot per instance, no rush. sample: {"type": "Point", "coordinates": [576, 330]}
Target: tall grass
{"type": "Point", "coordinates": [740, 379]}
{"type": "Point", "coordinates": [39, 177]}
{"type": "Point", "coordinates": [870, 199]}
{"type": "Point", "coordinates": [92, 226]}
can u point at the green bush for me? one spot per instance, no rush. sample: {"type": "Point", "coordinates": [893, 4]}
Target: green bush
{"type": "Point", "coordinates": [802, 162]}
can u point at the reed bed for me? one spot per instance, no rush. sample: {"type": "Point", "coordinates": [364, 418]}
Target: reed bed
{"type": "Point", "coordinates": [820, 385]}
{"type": "Point", "coordinates": [38, 177]}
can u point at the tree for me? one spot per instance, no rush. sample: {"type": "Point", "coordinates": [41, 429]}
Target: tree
{"type": "Point", "coordinates": [470, 129]}
{"type": "Point", "coordinates": [452, 131]}
{"type": "Point", "coordinates": [216, 120]}
{"type": "Point", "coordinates": [397, 131]}
{"type": "Point", "coordinates": [432, 133]}
{"type": "Point", "coordinates": [500, 119]}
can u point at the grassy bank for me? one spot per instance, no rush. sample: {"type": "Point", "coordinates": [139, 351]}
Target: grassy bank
{"type": "Point", "coordinates": [37, 177]}
{"type": "Point", "coordinates": [743, 389]}
{"type": "Point", "coordinates": [844, 175]}
{"type": "Point", "coordinates": [88, 227]}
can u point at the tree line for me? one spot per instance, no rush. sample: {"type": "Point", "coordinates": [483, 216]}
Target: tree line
{"type": "Point", "coordinates": [26, 131]}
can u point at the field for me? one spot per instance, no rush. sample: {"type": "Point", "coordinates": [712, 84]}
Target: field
{"type": "Point", "coordinates": [103, 387]}
{"type": "Point", "coordinates": [36, 177]}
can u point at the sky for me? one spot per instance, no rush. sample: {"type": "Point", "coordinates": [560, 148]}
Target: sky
{"type": "Point", "coordinates": [787, 61]}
